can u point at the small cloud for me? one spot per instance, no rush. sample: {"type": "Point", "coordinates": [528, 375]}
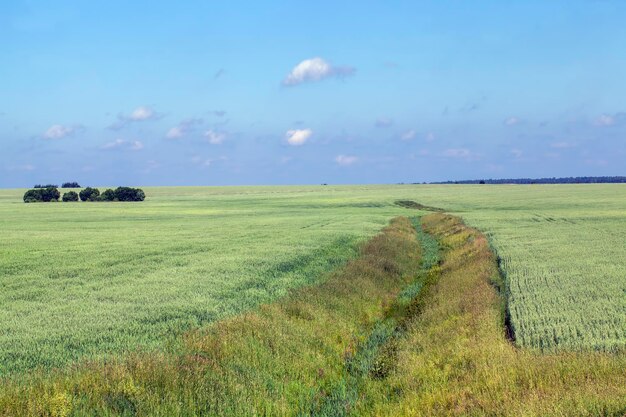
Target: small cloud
{"type": "Point", "coordinates": [346, 160]}
{"type": "Point", "coordinates": [408, 135]}
{"type": "Point", "coordinates": [114, 144]}
{"type": "Point", "coordinates": [430, 136]}
{"type": "Point", "coordinates": [206, 162]}
{"type": "Point", "coordinates": [298, 137]}
{"type": "Point", "coordinates": [383, 122]}
{"type": "Point", "coordinates": [214, 137]}
{"type": "Point", "coordinates": [512, 121]}
{"type": "Point", "coordinates": [460, 153]}
{"type": "Point", "coordinates": [140, 114]}
{"type": "Point", "coordinates": [25, 167]}
{"type": "Point", "coordinates": [183, 128]}
{"type": "Point", "coordinates": [219, 113]}
{"type": "Point", "coordinates": [123, 144]}
{"type": "Point", "coordinates": [150, 166]}
{"type": "Point", "coordinates": [315, 69]}
{"type": "Point", "coordinates": [175, 133]}
{"type": "Point", "coordinates": [605, 120]}
{"type": "Point", "coordinates": [517, 154]}
{"type": "Point", "coordinates": [561, 145]}
{"type": "Point", "coordinates": [219, 73]}
{"type": "Point", "coordinates": [598, 162]}
{"type": "Point", "coordinates": [59, 131]}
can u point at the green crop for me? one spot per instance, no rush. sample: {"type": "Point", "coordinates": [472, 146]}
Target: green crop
{"type": "Point", "coordinates": [86, 281]}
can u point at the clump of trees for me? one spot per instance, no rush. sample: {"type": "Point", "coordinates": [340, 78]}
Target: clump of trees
{"type": "Point", "coordinates": [70, 185]}
{"type": "Point", "coordinates": [88, 194]}
{"type": "Point", "coordinates": [42, 195]}
{"type": "Point", "coordinates": [123, 194]}
{"type": "Point", "coordinates": [70, 196]}
{"type": "Point", "coordinates": [45, 186]}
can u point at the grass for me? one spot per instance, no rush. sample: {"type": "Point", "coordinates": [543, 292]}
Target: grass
{"type": "Point", "coordinates": [455, 358]}
{"type": "Point", "coordinates": [92, 281]}
{"type": "Point", "coordinates": [89, 280]}
{"type": "Point", "coordinates": [286, 358]}
{"type": "Point", "coordinates": [414, 326]}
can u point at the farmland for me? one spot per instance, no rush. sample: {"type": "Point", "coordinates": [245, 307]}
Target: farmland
{"type": "Point", "coordinates": [88, 281]}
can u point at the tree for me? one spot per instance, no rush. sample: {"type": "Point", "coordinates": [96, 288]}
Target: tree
{"type": "Point", "coordinates": [89, 194]}
{"type": "Point", "coordinates": [70, 196]}
{"type": "Point", "coordinates": [108, 195]}
{"type": "Point", "coordinates": [129, 194]}
{"type": "Point", "coordinates": [32, 196]}
{"type": "Point", "coordinates": [70, 185]}
{"type": "Point", "coordinates": [42, 195]}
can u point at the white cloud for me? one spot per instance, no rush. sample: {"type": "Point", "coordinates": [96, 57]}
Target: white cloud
{"type": "Point", "coordinates": [59, 132]}
{"type": "Point", "coordinates": [183, 128]}
{"type": "Point", "coordinates": [561, 145]}
{"type": "Point", "coordinates": [315, 69]}
{"type": "Point", "coordinates": [512, 121]}
{"type": "Point", "coordinates": [460, 153]}
{"type": "Point", "coordinates": [123, 144]}
{"type": "Point", "coordinates": [383, 122]}
{"type": "Point", "coordinates": [174, 133]}
{"type": "Point", "coordinates": [114, 144]}
{"type": "Point", "coordinates": [140, 114]}
{"type": "Point", "coordinates": [430, 136]}
{"type": "Point", "coordinates": [408, 135]}
{"type": "Point", "coordinates": [297, 137]}
{"type": "Point", "coordinates": [605, 120]}
{"type": "Point", "coordinates": [214, 138]}
{"type": "Point", "coordinates": [610, 120]}
{"type": "Point", "coordinates": [517, 153]}
{"type": "Point", "coordinates": [346, 160]}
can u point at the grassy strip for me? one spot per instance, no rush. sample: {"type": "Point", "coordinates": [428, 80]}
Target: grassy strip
{"type": "Point", "coordinates": [455, 358]}
{"type": "Point", "coordinates": [410, 204]}
{"type": "Point", "coordinates": [375, 357]}
{"type": "Point", "coordinates": [283, 359]}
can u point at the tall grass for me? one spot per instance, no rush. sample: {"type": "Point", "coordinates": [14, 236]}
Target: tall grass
{"type": "Point", "coordinates": [90, 282]}
{"type": "Point", "coordinates": [286, 358]}
{"type": "Point", "coordinates": [455, 358]}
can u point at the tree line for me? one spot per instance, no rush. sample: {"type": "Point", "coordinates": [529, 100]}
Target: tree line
{"type": "Point", "coordinates": [73, 184]}
{"type": "Point", "coordinates": [51, 193]}
{"type": "Point", "coordinates": [554, 180]}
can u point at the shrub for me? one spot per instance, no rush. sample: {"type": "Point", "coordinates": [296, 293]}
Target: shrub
{"type": "Point", "coordinates": [42, 195]}
{"type": "Point", "coordinates": [129, 194]}
{"type": "Point", "coordinates": [70, 196]}
{"type": "Point", "coordinates": [89, 194]}
{"type": "Point", "coordinates": [32, 196]}
{"type": "Point", "coordinates": [70, 185]}
{"type": "Point", "coordinates": [45, 186]}
{"type": "Point", "coordinates": [108, 195]}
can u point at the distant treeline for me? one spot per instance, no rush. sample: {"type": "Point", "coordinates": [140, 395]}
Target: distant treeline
{"type": "Point", "coordinates": [51, 193]}
{"type": "Point", "coordinates": [64, 185]}
{"type": "Point", "coordinates": [562, 180]}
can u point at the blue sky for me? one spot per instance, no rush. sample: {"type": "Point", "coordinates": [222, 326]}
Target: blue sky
{"type": "Point", "coordinates": [242, 92]}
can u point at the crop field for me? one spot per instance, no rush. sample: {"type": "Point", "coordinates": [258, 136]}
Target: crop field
{"type": "Point", "coordinates": [89, 280]}
{"type": "Point", "coordinates": [272, 289]}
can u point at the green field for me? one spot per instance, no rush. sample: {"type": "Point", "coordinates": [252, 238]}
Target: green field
{"type": "Point", "coordinates": [87, 280]}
